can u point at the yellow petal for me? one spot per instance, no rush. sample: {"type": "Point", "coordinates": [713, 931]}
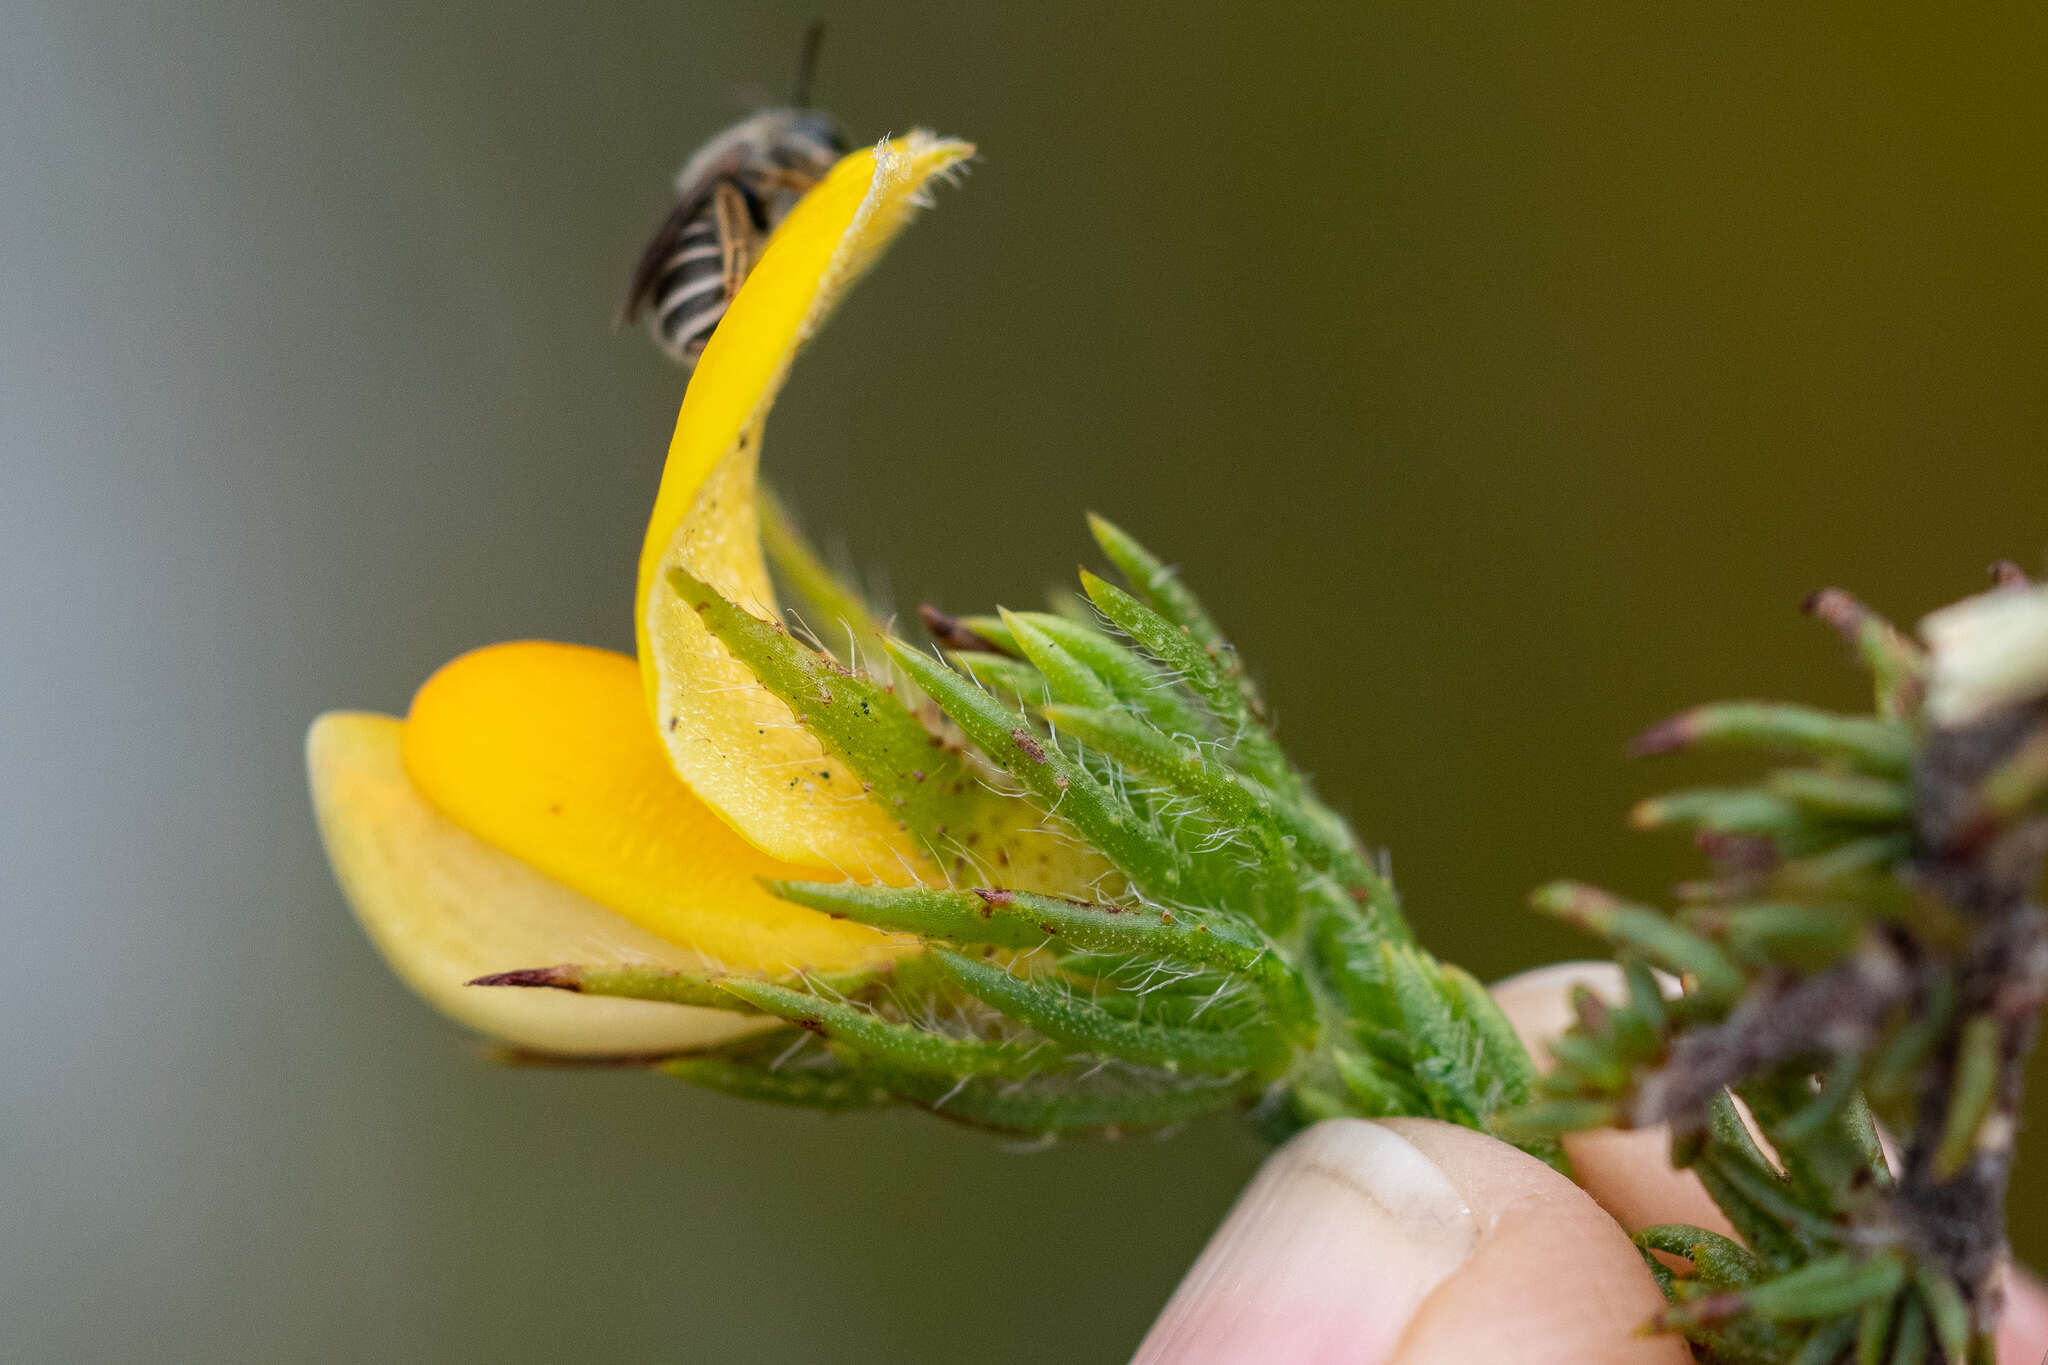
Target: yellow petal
{"type": "Point", "coordinates": [544, 751]}
{"type": "Point", "coordinates": [735, 744]}
{"type": "Point", "coordinates": [444, 907]}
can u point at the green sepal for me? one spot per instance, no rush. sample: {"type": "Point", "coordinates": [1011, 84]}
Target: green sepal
{"type": "Point", "coordinates": [665, 985]}
{"type": "Point", "coordinates": [869, 1036]}
{"type": "Point", "coordinates": [764, 1068]}
{"type": "Point", "coordinates": [1023, 684]}
{"type": "Point", "coordinates": [1066, 676]}
{"type": "Point", "coordinates": [1060, 1103]}
{"type": "Point", "coordinates": [1162, 588]}
{"type": "Point", "coordinates": [996, 631]}
{"type": "Point", "coordinates": [1184, 766]}
{"type": "Point", "coordinates": [1055, 781]}
{"type": "Point", "coordinates": [1021, 919]}
{"type": "Point", "coordinates": [1221, 795]}
{"type": "Point", "coordinates": [1067, 1019]}
{"type": "Point", "coordinates": [1378, 1089]}
{"type": "Point", "coordinates": [865, 724]}
{"type": "Point", "coordinates": [1134, 681]}
{"type": "Point", "coordinates": [1216, 681]}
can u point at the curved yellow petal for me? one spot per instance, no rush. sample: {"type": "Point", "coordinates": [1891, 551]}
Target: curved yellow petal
{"type": "Point", "coordinates": [736, 745]}
{"type": "Point", "coordinates": [543, 751]}
{"type": "Point", "coordinates": [444, 907]}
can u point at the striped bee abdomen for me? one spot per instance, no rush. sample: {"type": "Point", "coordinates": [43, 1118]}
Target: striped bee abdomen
{"type": "Point", "coordinates": [692, 284]}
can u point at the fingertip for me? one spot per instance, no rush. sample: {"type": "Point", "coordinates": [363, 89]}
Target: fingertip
{"type": "Point", "coordinates": [1344, 1232]}
{"type": "Point", "coordinates": [2023, 1331]}
{"type": "Point", "coordinates": [1551, 1278]}
{"type": "Point", "coordinates": [1413, 1241]}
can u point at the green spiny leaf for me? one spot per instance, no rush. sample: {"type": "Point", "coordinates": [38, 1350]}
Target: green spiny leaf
{"type": "Point", "coordinates": [1648, 932]}
{"type": "Point", "coordinates": [1059, 1014]}
{"type": "Point", "coordinates": [1870, 742]}
{"type": "Point", "coordinates": [1975, 1090]}
{"type": "Point", "coordinates": [1737, 810]}
{"type": "Point", "coordinates": [1874, 1329]}
{"type": "Point", "coordinates": [1827, 1342]}
{"type": "Point", "coordinates": [1721, 1263]}
{"type": "Point", "coordinates": [1791, 933]}
{"type": "Point", "coordinates": [1853, 797]}
{"type": "Point", "coordinates": [1897, 665]}
{"type": "Point", "coordinates": [1829, 1286]}
{"type": "Point", "coordinates": [1910, 1338]}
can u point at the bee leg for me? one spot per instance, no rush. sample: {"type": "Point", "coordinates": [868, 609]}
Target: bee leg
{"type": "Point", "coordinates": [736, 233]}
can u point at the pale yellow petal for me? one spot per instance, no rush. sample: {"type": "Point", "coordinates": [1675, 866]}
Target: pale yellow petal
{"type": "Point", "coordinates": [736, 745]}
{"type": "Point", "coordinates": [443, 907]}
{"type": "Point", "coordinates": [544, 751]}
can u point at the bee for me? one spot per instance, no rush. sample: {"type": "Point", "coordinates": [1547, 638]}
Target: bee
{"type": "Point", "coordinates": [729, 195]}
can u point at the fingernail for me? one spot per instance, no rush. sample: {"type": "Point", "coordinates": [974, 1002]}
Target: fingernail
{"type": "Point", "coordinates": [1327, 1254]}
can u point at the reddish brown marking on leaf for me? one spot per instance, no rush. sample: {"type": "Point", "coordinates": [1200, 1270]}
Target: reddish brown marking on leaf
{"type": "Point", "coordinates": [1033, 750]}
{"type": "Point", "coordinates": [558, 978]}
{"type": "Point", "coordinates": [954, 634]}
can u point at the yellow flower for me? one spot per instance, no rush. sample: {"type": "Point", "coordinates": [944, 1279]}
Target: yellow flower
{"type": "Point", "coordinates": [545, 803]}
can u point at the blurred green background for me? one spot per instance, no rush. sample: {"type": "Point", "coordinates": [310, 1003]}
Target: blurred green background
{"type": "Point", "coordinates": [1504, 378]}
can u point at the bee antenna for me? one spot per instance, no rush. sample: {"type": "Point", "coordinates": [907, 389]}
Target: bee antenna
{"type": "Point", "coordinates": [807, 64]}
